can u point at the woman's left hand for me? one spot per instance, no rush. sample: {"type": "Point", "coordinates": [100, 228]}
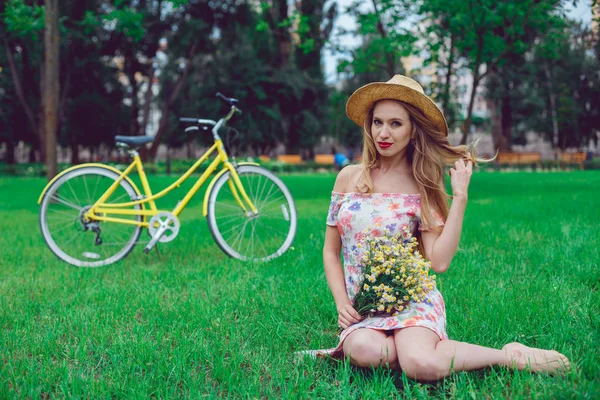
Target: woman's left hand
{"type": "Point", "coordinates": [460, 176]}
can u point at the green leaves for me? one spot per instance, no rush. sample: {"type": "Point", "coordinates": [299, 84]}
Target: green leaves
{"type": "Point", "coordinates": [24, 20]}
{"type": "Point", "coordinates": [90, 22]}
{"type": "Point", "coordinates": [127, 20]}
{"type": "Point", "coordinates": [262, 26]}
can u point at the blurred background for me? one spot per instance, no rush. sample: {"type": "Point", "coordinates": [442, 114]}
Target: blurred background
{"type": "Point", "coordinates": [523, 77]}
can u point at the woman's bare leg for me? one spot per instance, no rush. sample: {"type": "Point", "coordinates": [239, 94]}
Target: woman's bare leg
{"type": "Point", "coordinates": [422, 355]}
{"type": "Point", "coordinates": [370, 347]}
{"type": "Point", "coordinates": [522, 357]}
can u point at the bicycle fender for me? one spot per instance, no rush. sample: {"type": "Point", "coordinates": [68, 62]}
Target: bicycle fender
{"type": "Point", "coordinates": [214, 180]}
{"type": "Point", "coordinates": [87, 165]}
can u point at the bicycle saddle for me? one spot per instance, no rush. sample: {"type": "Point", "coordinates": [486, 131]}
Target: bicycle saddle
{"type": "Point", "coordinates": [133, 141]}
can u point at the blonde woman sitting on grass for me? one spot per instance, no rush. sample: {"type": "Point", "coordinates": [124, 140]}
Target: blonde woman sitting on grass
{"type": "Point", "coordinates": [399, 183]}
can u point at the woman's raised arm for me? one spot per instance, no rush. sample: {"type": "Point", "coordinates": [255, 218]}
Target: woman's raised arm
{"type": "Point", "coordinates": [441, 247]}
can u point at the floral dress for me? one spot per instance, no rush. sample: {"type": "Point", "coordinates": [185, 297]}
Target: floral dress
{"type": "Point", "coordinates": [352, 214]}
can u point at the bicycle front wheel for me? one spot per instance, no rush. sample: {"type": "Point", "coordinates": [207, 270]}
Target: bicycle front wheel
{"type": "Point", "coordinates": [78, 241]}
{"type": "Point", "coordinates": [247, 237]}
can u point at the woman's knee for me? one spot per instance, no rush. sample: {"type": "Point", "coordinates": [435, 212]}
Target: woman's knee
{"type": "Point", "coordinates": [422, 366]}
{"type": "Point", "coordinates": [366, 349]}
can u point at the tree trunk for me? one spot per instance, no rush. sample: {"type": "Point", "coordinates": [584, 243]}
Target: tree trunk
{"type": "Point", "coordinates": [51, 85]}
{"type": "Point", "coordinates": [318, 31]}
{"type": "Point", "coordinates": [19, 90]}
{"type": "Point", "coordinates": [553, 114]}
{"type": "Point", "coordinates": [130, 68]}
{"type": "Point", "coordinates": [282, 33]}
{"type": "Point", "coordinates": [467, 123]}
{"type": "Point", "coordinates": [135, 107]}
{"type": "Point", "coordinates": [446, 96]}
{"type": "Point", "coordinates": [191, 149]}
{"type": "Point", "coordinates": [74, 151]}
{"type": "Point", "coordinates": [506, 116]}
{"type": "Point", "coordinates": [148, 99]}
{"type": "Point", "coordinates": [496, 120]}
{"type": "Point", "coordinates": [10, 152]}
{"type": "Point", "coordinates": [168, 161]}
{"type": "Point", "coordinates": [164, 119]}
{"type": "Point", "coordinates": [41, 132]}
{"type": "Point", "coordinates": [389, 56]}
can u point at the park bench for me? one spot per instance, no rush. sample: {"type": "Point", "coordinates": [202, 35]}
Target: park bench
{"type": "Point", "coordinates": [326, 159]}
{"type": "Point", "coordinates": [573, 158]}
{"type": "Point", "coordinates": [290, 158]}
{"type": "Point", "coordinates": [518, 158]}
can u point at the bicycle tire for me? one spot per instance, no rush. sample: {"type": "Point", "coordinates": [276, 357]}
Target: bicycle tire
{"type": "Point", "coordinates": [70, 220]}
{"type": "Point", "coordinates": [267, 239]}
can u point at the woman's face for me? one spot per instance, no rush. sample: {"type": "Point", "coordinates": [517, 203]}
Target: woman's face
{"type": "Point", "coordinates": [391, 128]}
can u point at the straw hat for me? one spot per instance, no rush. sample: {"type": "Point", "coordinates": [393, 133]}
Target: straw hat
{"type": "Point", "coordinates": [401, 88]}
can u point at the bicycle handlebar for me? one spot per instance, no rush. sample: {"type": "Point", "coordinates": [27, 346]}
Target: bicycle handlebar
{"type": "Point", "coordinates": [215, 124]}
{"type": "Point", "coordinates": [194, 120]}
{"type": "Point", "coordinates": [230, 100]}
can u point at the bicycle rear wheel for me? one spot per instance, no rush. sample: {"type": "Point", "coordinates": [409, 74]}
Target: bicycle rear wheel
{"type": "Point", "coordinates": [246, 237]}
{"type": "Point", "coordinates": [87, 243]}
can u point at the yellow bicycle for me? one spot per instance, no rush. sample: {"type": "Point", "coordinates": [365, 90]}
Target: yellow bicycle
{"type": "Point", "coordinates": [92, 214]}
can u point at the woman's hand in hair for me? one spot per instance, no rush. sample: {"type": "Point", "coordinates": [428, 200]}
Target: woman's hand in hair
{"type": "Point", "coordinates": [460, 176]}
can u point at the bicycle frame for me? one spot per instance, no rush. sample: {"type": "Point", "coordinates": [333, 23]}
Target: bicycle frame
{"type": "Point", "coordinates": [99, 210]}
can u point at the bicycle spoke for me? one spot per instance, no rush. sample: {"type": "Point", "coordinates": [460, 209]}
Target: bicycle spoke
{"type": "Point", "coordinates": [249, 188]}
{"type": "Point", "coordinates": [73, 192]}
{"type": "Point", "coordinates": [96, 187]}
{"type": "Point", "coordinates": [61, 212]}
{"type": "Point", "coordinates": [282, 197]}
{"type": "Point", "coordinates": [239, 235]}
{"type": "Point", "coordinates": [276, 212]}
{"type": "Point", "coordinates": [118, 199]}
{"type": "Point", "coordinates": [267, 197]}
{"type": "Point", "coordinates": [265, 252]}
{"type": "Point", "coordinates": [263, 186]}
{"type": "Point", "coordinates": [71, 239]}
{"type": "Point", "coordinates": [236, 207]}
{"type": "Point", "coordinates": [234, 230]}
{"type": "Point", "coordinates": [227, 222]}
{"type": "Point", "coordinates": [86, 190]}
{"type": "Point", "coordinates": [68, 224]}
{"type": "Point", "coordinates": [66, 203]}
{"type": "Point", "coordinates": [274, 230]}
{"type": "Point", "coordinates": [252, 237]}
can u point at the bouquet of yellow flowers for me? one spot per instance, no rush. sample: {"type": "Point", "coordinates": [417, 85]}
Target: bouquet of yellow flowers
{"type": "Point", "coordinates": [395, 273]}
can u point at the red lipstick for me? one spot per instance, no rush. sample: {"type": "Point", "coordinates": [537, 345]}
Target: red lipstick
{"type": "Point", "coordinates": [384, 145]}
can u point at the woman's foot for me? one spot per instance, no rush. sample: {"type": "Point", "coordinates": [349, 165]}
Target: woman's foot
{"type": "Point", "coordinates": [520, 356]}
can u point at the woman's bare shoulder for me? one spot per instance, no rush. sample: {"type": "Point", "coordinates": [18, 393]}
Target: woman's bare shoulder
{"type": "Point", "coordinates": [347, 178]}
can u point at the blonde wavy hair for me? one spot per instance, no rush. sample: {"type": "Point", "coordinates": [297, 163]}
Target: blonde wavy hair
{"type": "Point", "coordinates": [429, 152]}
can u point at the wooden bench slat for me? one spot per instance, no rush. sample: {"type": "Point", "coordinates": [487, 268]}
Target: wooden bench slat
{"type": "Point", "coordinates": [577, 158]}
{"type": "Point", "coordinates": [290, 158]}
{"type": "Point", "coordinates": [328, 159]}
{"type": "Point", "coordinates": [509, 157]}
{"type": "Point", "coordinates": [573, 158]}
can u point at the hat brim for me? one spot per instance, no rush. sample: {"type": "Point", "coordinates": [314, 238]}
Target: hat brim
{"type": "Point", "coordinates": [361, 101]}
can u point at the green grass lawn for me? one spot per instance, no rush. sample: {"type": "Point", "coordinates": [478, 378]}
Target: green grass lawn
{"type": "Point", "coordinates": [189, 322]}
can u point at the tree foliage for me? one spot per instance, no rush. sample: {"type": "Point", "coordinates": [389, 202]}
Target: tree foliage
{"type": "Point", "coordinates": [540, 72]}
{"type": "Point", "coordinates": [487, 34]}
